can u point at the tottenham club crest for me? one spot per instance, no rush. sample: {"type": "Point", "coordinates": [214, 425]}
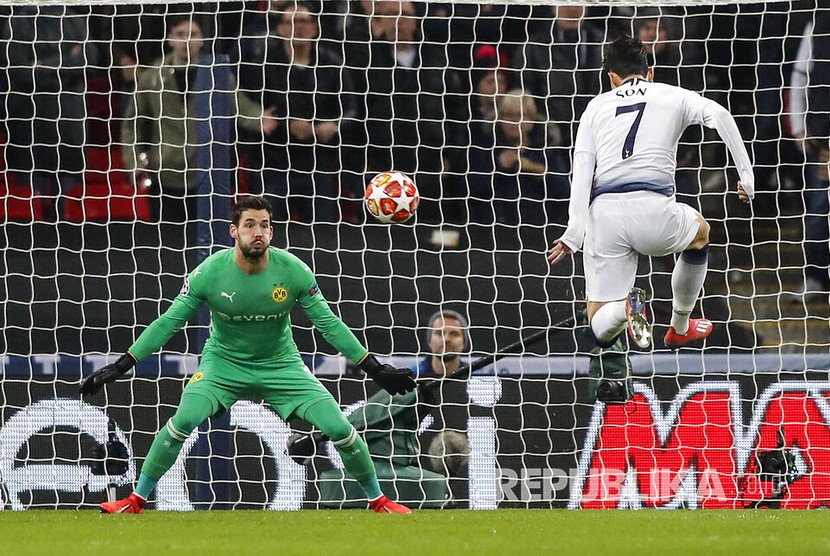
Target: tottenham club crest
{"type": "Point", "coordinates": [279, 294]}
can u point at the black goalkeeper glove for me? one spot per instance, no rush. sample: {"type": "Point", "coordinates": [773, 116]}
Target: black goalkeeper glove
{"type": "Point", "coordinates": [391, 379]}
{"type": "Point", "coordinates": [94, 382]}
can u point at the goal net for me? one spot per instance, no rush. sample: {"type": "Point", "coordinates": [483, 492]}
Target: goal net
{"type": "Point", "coordinates": [129, 129]}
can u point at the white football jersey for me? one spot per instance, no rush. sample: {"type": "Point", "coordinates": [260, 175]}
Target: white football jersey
{"type": "Point", "coordinates": [627, 141]}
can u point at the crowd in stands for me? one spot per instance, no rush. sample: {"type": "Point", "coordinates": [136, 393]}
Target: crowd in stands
{"type": "Point", "coordinates": [479, 102]}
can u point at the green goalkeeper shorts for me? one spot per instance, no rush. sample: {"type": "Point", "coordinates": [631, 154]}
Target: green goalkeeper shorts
{"type": "Point", "coordinates": [288, 388]}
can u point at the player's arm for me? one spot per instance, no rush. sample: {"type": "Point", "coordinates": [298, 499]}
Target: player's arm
{"type": "Point", "coordinates": [583, 178]}
{"type": "Point", "coordinates": [182, 309]}
{"type": "Point", "coordinates": [717, 117]}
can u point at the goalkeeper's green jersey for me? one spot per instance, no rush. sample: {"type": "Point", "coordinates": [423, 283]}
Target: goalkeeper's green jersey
{"type": "Point", "coordinates": [251, 313]}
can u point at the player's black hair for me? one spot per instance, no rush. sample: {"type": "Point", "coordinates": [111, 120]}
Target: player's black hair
{"type": "Point", "coordinates": [251, 202]}
{"type": "Point", "coordinates": [625, 56]}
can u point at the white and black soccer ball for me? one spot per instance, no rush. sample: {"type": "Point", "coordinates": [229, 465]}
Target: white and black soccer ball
{"type": "Point", "coordinates": [391, 197]}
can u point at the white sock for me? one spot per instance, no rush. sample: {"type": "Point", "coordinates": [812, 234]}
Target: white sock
{"type": "Point", "coordinates": [609, 321]}
{"type": "Point", "coordinates": [680, 321]}
{"type": "Point", "coordinates": [686, 282]}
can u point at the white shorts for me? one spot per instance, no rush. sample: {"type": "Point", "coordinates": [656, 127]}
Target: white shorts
{"type": "Point", "coordinates": [623, 225]}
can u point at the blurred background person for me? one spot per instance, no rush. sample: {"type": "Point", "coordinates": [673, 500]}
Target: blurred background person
{"type": "Point", "coordinates": [808, 108]}
{"type": "Point", "coordinates": [302, 83]}
{"type": "Point", "coordinates": [491, 78]}
{"type": "Point", "coordinates": [49, 52]}
{"type": "Point", "coordinates": [460, 25]}
{"type": "Point", "coordinates": [516, 179]}
{"type": "Point", "coordinates": [411, 110]}
{"type": "Point", "coordinates": [662, 54]}
{"type": "Point", "coordinates": [159, 130]}
{"type": "Point", "coordinates": [391, 425]}
{"type": "Point", "coordinates": [558, 66]}
{"type": "Point", "coordinates": [448, 339]}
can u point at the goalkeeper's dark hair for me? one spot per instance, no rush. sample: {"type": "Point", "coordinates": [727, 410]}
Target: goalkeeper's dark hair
{"type": "Point", "coordinates": [251, 202]}
{"type": "Point", "coordinates": [625, 56]}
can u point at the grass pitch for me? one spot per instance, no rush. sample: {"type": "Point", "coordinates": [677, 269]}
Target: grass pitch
{"type": "Point", "coordinates": [355, 532]}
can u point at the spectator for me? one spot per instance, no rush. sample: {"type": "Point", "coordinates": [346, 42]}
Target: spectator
{"type": "Point", "coordinates": [762, 34]}
{"type": "Point", "coordinates": [48, 51]}
{"type": "Point", "coordinates": [490, 79]}
{"type": "Point", "coordinates": [357, 22]}
{"type": "Point", "coordinates": [391, 426]}
{"type": "Point", "coordinates": [460, 25]}
{"type": "Point", "coordinates": [138, 39]}
{"type": "Point", "coordinates": [559, 68]}
{"type": "Point", "coordinates": [126, 62]}
{"type": "Point", "coordinates": [809, 102]}
{"type": "Point", "coordinates": [303, 83]}
{"type": "Point", "coordinates": [447, 338]}
{"type": "Point", "coordinates": [160, 126]}
{"type": "Point", "coordinates": [662, 54]}
{"type": "Point", "coordinates": [406, 96]}
{"type": "Point", "coordinates": [516, 179]}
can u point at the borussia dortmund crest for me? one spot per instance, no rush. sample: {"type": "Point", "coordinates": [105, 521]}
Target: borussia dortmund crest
{"type": "Point", "coordinates": [279, 294]}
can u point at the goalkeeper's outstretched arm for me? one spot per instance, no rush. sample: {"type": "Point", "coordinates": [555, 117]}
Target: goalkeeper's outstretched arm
{"type": "Point", "coordinates": [156, 335]}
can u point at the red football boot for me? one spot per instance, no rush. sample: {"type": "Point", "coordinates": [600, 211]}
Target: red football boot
{"type": "Point", "coordinates": [699, 329]}
{"type": "Point", "coordinates": [383, 505]}
{"type": "Point", "coordinates": [133, 504]}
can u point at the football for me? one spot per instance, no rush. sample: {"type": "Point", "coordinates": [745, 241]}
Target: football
{"type": "Point", "coordinates": [391, 197]}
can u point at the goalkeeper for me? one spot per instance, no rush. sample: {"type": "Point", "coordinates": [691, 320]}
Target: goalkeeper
{"type": "Point", "coordinates": [250, 353]}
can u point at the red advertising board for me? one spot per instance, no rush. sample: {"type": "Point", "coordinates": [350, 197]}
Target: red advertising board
{"type": "Point", "coordinates": [700, 452]}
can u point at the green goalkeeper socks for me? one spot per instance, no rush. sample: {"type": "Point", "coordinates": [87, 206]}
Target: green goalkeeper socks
{"type": "Point", "coordinates": [163, 453]}
{"type": "Point", "coordinates": [162, 456]}
{"type": "Point", "coordinates": [326, 416]}
{"type": "Point", "coordinates": [145, 486]}
{"type": "Point", "coordinates": [358, 462]}
{"type": "Point", "coordinates": [193, 409]}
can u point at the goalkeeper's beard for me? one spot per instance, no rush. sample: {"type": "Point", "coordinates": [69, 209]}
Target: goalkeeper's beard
{"type": "Point", "coordinates": [253, 254]}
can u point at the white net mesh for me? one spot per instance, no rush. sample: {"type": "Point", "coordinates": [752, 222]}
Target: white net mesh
{"type": "Point", "coordinates": [129, 129]}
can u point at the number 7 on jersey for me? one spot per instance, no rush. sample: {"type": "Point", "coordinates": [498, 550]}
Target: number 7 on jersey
{"type": "Point", "coordinates": [628, 147]}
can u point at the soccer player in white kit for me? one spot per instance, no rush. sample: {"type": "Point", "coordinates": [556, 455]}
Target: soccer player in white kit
{"type": "Point", "coordinates": [622, 198]}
